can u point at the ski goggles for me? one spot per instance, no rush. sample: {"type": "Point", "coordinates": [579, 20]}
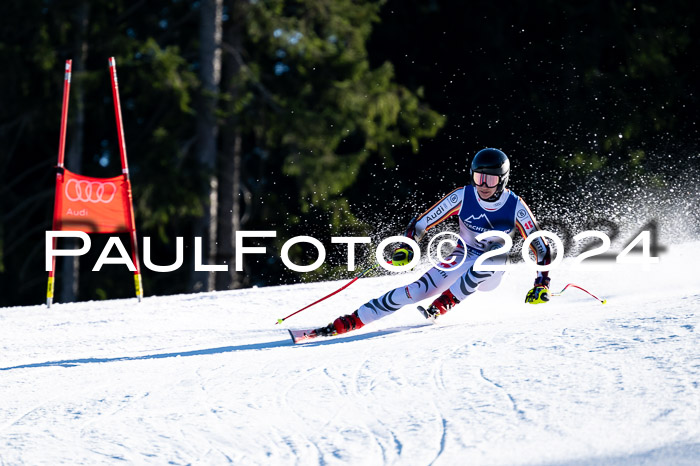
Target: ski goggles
{"type": "Point", "coordinates": [484, 179]}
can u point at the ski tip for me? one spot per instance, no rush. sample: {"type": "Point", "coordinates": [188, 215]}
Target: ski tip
{"type": "Point", "coordinates": [426, 315]}
{"type": "Point", "coordinates": [303, 336]}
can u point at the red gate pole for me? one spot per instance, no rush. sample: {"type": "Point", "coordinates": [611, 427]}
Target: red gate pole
{"type": "Point", "coordinates": [125, 171]}
{"type": "Point", "coordinates": [59, 175]}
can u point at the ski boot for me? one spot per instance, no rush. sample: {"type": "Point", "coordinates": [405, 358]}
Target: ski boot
{"type": "Point", "coordinates": [340, 325]}
{"type": "Point", "coordinates": [440, 306]}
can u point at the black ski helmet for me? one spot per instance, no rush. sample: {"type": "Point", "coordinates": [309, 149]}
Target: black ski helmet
{"type": "Point", "coordinates": [492, 162]}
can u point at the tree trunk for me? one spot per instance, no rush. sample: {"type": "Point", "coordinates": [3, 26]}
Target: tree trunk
{"type": "Point", "coordinates": [231, 153]}
{"type": "Point", "coordinates": [210, 31]}
{"type": "Point", "coordinates": [229, 207]}
{"type": "Point", "coordinates": [70, 270]}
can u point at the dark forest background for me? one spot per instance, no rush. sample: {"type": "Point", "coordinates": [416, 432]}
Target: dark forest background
{"type": "Point", "coordinates": [328, 118]}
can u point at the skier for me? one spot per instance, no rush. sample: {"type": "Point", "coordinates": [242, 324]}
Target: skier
{"type": "Point", "coordinates": [484, 205]}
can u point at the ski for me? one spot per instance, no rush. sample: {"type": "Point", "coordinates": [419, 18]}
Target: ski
{"type": "Point", "coordinates": [304, 336]}
{"type": "Point", "coordinates": [427, 315]}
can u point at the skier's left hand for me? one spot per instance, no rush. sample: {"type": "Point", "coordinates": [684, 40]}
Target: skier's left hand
{"type": "Point", "coordinates": [537, 295]}
{"type": "Point", "coordinates": [540, 292]}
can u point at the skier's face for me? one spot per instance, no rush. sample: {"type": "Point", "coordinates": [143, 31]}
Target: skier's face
{"type": "Point", "coordinates": [486, 184]}
{"type": "Point", "coordinates": [485, 192]}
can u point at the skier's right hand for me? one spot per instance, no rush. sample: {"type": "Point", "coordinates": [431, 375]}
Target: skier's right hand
{"type": "Point", "coordinates": [402, 255]}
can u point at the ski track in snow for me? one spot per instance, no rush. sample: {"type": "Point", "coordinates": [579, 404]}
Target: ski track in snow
{"type": "Point", "coordinates": [209, 378]}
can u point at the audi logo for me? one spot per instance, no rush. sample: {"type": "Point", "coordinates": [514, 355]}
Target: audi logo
{"type": "Point", "coordinates": [90, 191]}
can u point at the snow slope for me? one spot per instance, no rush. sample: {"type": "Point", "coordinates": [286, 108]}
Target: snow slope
{"type": "Point", "coordinates": [209, 378]}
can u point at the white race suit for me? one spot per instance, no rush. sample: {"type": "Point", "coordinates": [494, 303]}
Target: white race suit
{"type": "Point", "coordinates": [508, 213]}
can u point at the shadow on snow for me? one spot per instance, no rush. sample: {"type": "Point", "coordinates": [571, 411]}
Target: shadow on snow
{"type": "Point", "coordinates": [210, 351]}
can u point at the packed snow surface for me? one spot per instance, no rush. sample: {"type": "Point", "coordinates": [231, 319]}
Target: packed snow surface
{"type": "Point", "coordinates": [210, 379]}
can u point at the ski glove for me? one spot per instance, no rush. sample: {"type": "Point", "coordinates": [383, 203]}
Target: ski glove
{"type": "Point", "coordinates": [537, 295]}
{"type": "Point", "coordinates": [402, 255]}
{"type": "Point", "coordinates": [540, 292]}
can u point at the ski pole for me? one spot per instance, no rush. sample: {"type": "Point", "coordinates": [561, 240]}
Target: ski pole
{"type": "Point", "coordinates": [279, 321]}
{"type": "Point", "coordinates": [602, 301]}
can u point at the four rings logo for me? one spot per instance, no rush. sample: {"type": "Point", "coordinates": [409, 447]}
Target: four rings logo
{"type": "Point", "coordinates": [90, 191]}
